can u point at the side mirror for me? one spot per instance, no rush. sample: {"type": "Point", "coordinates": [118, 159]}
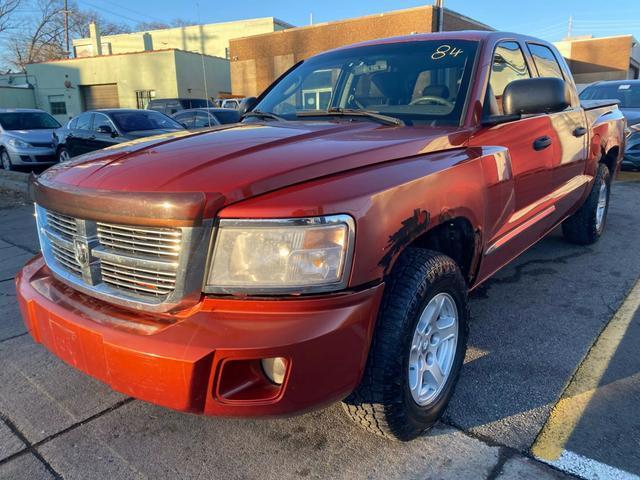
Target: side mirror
{"type": "Point", "coordinates": [536, 95]}
{"type": "Point", "coordinates": [105, 129]}
{"type": "Point", "coordinates": [247, 105]}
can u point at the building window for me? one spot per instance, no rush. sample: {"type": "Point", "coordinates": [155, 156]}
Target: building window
{"type": "Point", "coordinates": [226, 53]}
{"type": "Point", "coordinates": [57, 105]}
{"type": "Point", "coordinates": [143, 97]}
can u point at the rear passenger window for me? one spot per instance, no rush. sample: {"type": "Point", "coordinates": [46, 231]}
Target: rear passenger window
{"type": "Point", "coordinates": [545, 61]}
{"type": "Point", "coordinates": [508, 65]}
{"type": "Point", "coordinates": [84, 121]}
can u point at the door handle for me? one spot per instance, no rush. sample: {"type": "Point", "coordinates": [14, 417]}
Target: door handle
{"type": "Point", "coordinates": [580, 131]}
{"type": "Point", "coordinates": [541, 143]}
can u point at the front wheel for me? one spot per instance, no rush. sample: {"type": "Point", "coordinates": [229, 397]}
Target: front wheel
{"type": "Point", "coordinates": [417, 350]}
{"type": "Point", "coordinates": [63, 155]}
{"type": "Point", "coordinates": [6, 160]}
{"type": "Point", "coordinates": [587, 225]}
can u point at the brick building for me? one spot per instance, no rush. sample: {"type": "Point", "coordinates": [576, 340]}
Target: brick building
{"type": "Point", "coordinates": [258, 60]}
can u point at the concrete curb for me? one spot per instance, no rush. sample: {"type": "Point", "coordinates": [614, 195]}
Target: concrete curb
{"type": "Point", "coordinates": [15, 181]}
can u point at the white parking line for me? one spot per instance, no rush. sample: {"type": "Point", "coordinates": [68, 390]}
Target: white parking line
{"type": "Point", "coordinates": [589, 468]}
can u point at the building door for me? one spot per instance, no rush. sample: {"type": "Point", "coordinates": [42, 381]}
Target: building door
{"type": "Point", "coordinates": [100, 96]}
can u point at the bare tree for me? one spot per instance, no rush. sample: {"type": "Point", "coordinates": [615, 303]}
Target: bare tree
{"type": "Point", "coordinates": [39, 39]}
{"type": "Point", "coordinates": [7, 14]}
{"type": "Point", "coordinates": [42, 37]}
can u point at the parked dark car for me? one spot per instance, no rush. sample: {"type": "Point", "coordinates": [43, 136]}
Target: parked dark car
{"type": "Point", "coordinates": [98, 129]}
{"type": "Point", "coordinates": [207, 117]}
{"type": "Point", "coordinates": [627, 92]}
{"type": "Point", "coordinates": [170, 106]}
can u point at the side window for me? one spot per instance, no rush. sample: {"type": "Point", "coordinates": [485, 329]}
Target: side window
{"type": "Point", "coordinates": [202, 120]}
{"type": "Point", "coordinates": [84, 121]}
{"type": "Point", "coordinates": [545, 61]}
{"type": "Point", "coordinates": [72, 124]}
{"type": "Point", "coordinates": [508, 65]}
{"type": "Point", "coordinates": [186, 119]}
{"type": "Point", "coordinates": [100, 120]}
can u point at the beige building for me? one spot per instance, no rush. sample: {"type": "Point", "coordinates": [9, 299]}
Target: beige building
{"type": "Point", "coordinates": [211, 39]}
{"type": "Point", "coordinates": [17, 97]}
{"type": "Point", "coordinates": [607, 58]}
{"type": "Point", "coordinates": [259, 59]}
{"type": "Point", "coordinates": [65, 88]}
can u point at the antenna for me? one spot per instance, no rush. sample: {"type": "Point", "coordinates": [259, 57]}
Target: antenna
{"type": "Point", "coordinates": [204, 72]}
{"type": "Point", "coordinates": [570, 27]}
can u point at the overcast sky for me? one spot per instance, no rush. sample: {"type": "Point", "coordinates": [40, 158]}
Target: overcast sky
{"type": "Point", "coordinates": [548, 19]}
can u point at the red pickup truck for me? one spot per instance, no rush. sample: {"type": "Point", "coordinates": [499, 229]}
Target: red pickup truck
{"type": "Point", "coordinates": [322, 249]}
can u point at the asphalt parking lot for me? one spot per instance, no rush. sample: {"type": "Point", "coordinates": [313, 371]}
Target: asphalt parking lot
{"type": "Point", "coordinates": [537, 327]}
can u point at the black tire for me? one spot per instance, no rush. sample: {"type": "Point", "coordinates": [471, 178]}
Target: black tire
{"type": "Point", "coordinates": [5, 161]}
{"type": "Point", "coordinates": [582, 227]}
{"type": "Point", "coordinates": [383, 403]}
{"type": "Point", "coordinates": [61, 155]}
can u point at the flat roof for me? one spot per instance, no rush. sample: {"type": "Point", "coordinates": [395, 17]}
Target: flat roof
{"type": "Point", "coordinates": [140, 32]}
{"type": "Point", "coordinates": [141, 52]}
{"type": "Point", "coordinates": [364, 17]}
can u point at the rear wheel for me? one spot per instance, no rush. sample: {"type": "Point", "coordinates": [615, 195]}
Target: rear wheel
{"type": "Point", "coordinates": [6, 160]}
{"type": "Point", "coordinates": [587, 225]}
{"type": "Point", "coordinates": [417, 350]}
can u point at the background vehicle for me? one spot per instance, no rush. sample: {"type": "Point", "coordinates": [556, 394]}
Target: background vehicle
{"type": "Point", "coordinates": [98, 129]}
{"type": "Point", "coordinates": [323, 249]}
{"type": "Point", "coordinates": [232, 103]}
{"type": "Point", "coordinates": [169, 106]}
{"type": "Point", "coordinates": [205, 117]}
{"type": "Point", "coordinates": [627, 92]}
{"type": "Point", "coordinates": [26, 138]}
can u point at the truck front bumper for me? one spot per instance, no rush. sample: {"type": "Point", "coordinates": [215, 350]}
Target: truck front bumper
{"type": "Point", "coordinates": [207, 359]}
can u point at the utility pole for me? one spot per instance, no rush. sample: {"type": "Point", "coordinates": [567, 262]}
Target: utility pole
{"type": "Point", "coordinates": [439, 4]}
{"type": "Point", "coordinates": [570, 27]}
{"type": "Point", "coordinates": [66, 27]}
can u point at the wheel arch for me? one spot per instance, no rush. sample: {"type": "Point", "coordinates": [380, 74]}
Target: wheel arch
{"type": "Point", "coordinates": [457, 238]}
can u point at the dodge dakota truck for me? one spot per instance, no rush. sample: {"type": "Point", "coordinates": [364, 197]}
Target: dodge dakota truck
{"type": "Point", "coordinates": [322, 249]}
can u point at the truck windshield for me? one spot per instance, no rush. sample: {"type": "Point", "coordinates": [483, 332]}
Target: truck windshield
{"type": "Point", "coordinates": [28, 121]}
{"type": "Point", "coordinates": [628, 94]}
{"type": "Point", "coordinates": [419, 82]}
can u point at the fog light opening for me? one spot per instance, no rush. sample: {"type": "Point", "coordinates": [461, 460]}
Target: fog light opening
{"type": "Point", "coordinates": [275, 369]}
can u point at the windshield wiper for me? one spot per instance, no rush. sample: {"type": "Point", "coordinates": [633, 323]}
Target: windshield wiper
{"type": "Point", "coordinates": [261, 114]}
{"type": "Point", "coordinates": [351, 112]}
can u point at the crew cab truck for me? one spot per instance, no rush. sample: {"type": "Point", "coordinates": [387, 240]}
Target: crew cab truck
{"type": "Point", "coordinates": [321, 250]}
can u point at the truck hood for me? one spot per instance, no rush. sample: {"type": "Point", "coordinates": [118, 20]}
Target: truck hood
{"type": "Point", "coordinates": [241, 161]}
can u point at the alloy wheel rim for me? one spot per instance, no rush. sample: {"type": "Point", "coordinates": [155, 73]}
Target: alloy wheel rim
{"type": "Point", "coordinates": [433, 349]}
{"type": "Point", "coordinates": [6, 162]}
{"type": "Point", "coordinates": [64, 156]}
{"type": "Point", "coordinates": [602, 206]}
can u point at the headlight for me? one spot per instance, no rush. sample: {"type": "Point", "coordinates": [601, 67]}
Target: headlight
{"type": "Point", "coordinates": [281, 256]}
{"type": "Point", "coordinates": [16, 143]}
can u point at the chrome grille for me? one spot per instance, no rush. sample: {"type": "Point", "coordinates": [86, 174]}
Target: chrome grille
{"type": "Point", "coordinates": [153, 268]}
{"type": "Point", "coordinates": [158, 242]}
{"type": "Point", "coordinates": [65, 256]}
{"type": "Point", "coordinates": [143, 281]}
{"type": "Point", "coordinates": [62, 225]}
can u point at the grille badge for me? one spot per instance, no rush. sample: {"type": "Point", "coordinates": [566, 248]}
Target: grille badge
{"type": "Point", "coordinates": [81, 251]}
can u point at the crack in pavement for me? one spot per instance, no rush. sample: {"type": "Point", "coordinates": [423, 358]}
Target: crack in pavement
{"type": "Point", "coordinates": [14, 336]}
{"type": "Point", "coordinates": [33, 447]}
{"type": "Point", "coordinates": [29, 448]}
{"type": "Point", "coordinates": [483, 290]}
{"type": "Point", "coordinates": [23, 247]}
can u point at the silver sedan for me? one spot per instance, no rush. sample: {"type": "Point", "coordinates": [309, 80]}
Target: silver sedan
{"type": "Point", "coordinates": [26, 138]}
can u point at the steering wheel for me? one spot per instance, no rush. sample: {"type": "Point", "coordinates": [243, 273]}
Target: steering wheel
{"type": "Point", "coordinates": [429, 98]}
